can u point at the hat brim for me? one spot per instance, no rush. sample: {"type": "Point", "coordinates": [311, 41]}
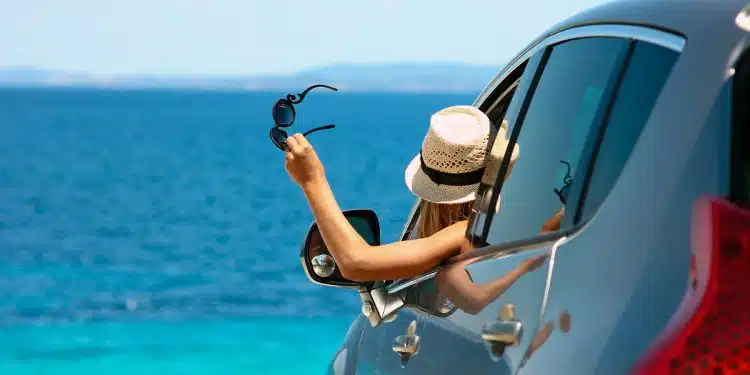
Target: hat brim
{"type": "Point", "coordinates": [423, 187]}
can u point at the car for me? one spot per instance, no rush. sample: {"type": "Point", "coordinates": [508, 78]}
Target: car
{"type": "Point", "coordinates": [633, 116]}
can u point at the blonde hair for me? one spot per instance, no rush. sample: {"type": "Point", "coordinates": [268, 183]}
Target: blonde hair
{"type": "Point", "coordinates": [435, 217]}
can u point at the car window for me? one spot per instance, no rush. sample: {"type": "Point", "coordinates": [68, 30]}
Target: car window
{"type": "Point", "coordinates": [497, 114]}
{"type": "Point", "coordinates": [647, 71]}
{"type": "Point", "coordinates": [741, 132]}
{"type": "Point", "coordinates": [569, 101]}
{"type": "Point", "coordinates": [503, 95]}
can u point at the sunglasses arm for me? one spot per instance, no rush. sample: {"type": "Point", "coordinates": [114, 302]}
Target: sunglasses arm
{"type": "Point", "coordinates": [324, 127]}
{"type": "Point", "coordinates": [296, 99]}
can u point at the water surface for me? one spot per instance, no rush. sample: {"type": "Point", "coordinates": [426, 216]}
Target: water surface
{"type": "Point", "coordinates": [158, 233]}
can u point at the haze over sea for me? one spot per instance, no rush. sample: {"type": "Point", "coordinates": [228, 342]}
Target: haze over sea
{"type": "Point", "coordinates": [157, 232]}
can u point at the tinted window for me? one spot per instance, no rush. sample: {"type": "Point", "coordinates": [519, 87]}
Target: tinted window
{"type": "Point", "coordinates": [644, 78]}
{"type": "Point", "coordinates": [569, 100]}
{"type": "Point", "coordinates": [741, 132]}
{"type": "Point", "coordinates": [497, 114]}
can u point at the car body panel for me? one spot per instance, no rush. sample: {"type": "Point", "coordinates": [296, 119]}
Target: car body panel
{"type": "Point", "coordinates": [448, 343]}
{"type": "Point", "coordinates": [440, 342]}
{"type": "Point", "coordinates": [345, 360]}
{"type": "Point", "coordinates": [633, 283]}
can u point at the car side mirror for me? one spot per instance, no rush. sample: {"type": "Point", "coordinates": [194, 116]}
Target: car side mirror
{"type": "Point", "coordinates": [317, 262]}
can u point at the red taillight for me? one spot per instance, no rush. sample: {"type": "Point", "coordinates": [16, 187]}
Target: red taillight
{"type": "Point", "coordinates": [710, 333]}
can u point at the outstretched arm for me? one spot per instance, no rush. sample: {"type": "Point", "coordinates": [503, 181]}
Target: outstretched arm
{"type": "Point", "coordinates": [357, 260]}
{"type": "Point", "coordinates": [455, 283]}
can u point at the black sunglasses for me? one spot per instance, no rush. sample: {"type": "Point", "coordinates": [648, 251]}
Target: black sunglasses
{"type": "Point", "coordinates": [284, 115]}
{"type": "Point", "coordinates": [562, 193]}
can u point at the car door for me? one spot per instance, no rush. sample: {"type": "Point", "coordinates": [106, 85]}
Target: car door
{"type": "Point", "coordinates": [560, 94]}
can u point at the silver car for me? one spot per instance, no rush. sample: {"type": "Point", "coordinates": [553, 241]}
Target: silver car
{"type": "Point", "coordinates": [635, 118]}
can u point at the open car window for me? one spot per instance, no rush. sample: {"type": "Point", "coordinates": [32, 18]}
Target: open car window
{"type": "Point", "coordinates": [500, 101]}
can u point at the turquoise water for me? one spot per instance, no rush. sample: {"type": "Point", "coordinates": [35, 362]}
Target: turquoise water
{"type": "Point", "coordinates": [263, 345]}
{"type": "Point", "coordinates": [158, 233]}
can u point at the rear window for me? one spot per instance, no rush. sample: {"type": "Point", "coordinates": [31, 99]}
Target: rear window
{"type": "Point", "coordinates": [743, 172]}
{"type": "Point", "coordinates": [740, 191]}
{"type": "Point", "coordinates": [644, 79]}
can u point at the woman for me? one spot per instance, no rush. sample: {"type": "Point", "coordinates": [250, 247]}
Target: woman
{"type": "Point", "coordinates": [445, 175]}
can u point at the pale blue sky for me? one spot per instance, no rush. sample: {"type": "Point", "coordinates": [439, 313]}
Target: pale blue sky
{"type": "Point", "coordinates": [229, 37]}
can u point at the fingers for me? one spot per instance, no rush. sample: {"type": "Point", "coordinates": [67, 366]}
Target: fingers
{"type": "Point", "coordinates": [302, 141]}
{"type": "Point", "coordinates": [293, 146]}
{"type": "Point", "coordinates": [298, 144]}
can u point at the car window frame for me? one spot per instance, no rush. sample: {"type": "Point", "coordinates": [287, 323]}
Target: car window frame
{"type": "Point", "coordinates": [476, 232]}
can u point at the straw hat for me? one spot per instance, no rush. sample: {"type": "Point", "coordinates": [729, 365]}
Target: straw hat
{"type": "Point", "coordinates": [451, 163]}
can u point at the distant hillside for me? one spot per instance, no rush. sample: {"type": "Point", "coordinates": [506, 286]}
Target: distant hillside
{"type": "Point", "coordinates": [442, 77]}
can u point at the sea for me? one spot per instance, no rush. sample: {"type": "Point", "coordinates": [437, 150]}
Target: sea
{"type": "Point", "coordinates": [157, 232]}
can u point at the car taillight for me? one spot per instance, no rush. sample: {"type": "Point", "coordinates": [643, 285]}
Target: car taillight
{"type": "Point", "coordinates": [710, 333]}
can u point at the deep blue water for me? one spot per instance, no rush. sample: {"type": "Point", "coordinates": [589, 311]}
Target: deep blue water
{"type": "Point", "coordinates": [158, 232]}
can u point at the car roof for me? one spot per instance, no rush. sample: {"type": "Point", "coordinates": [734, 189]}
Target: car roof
{"type": "Point", "coordinates": [713, 41]}
{"type": "Point", "coordinates": [711, 35]}
{"type": "Point", "coordinates": [682, 17]}
{"type": "Point", "coordinates": [698, 21]}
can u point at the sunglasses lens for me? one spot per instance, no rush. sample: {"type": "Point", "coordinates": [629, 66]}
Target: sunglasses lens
{"type": "Point", "coordinates": [283, 114]}
{"type": "Point", "coordinates": [279, 137]}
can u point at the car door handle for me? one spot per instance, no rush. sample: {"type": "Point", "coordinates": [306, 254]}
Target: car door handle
{"type": "Point", "coordinates": [407, 345]}
{"type": "Point", "coordinates": [504, 332]}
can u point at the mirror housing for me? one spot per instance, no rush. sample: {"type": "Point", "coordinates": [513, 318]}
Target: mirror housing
{"type": "Point", "coordinates": [317, 262]}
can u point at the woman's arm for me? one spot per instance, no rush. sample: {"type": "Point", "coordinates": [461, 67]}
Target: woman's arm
{"type": "Point", "coordinates": [454, 283]}
{"type": "Point", "coordinates": [357, 260]}
{"type": "Point", "coordinates": [361, 262]}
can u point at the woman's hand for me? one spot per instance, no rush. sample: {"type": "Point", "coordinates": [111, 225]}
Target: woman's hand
{"type": "Point", "coordinates": [531, 264]}
{"type": "Point", "coordinates": [302, 163]}
{"type": "Point", "coordinates": [552, 224]}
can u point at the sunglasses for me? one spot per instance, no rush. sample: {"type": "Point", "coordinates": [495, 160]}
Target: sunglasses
{"type": "Point", "coordinates": [284, 115]}
{"type": "Point", "coordinates": [562, 193]}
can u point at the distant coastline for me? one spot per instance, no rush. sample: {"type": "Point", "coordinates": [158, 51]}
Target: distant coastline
{"type": "Point", "coordinates": [414, 77]}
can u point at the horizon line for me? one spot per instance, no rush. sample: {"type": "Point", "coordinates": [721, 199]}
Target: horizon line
{"type": "Point", "coordinates": [156, 88]}
{"type": "Point", "coordinates": [314, 68]}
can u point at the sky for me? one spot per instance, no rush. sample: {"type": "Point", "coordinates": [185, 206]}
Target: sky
{"type": "Point", "coordinates": [246, 37]}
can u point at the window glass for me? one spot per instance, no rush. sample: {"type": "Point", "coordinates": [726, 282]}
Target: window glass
{"type": "Point", "coordinates": [741, 132]}
{"type": "Point", "coordinates": [567, 104]}
{"type": "Point", "coordinates": [742, 172]}
{"type": "Point", "coordinates": [644, 78]}
{"type": "Point", "coordinates": [497, 114]}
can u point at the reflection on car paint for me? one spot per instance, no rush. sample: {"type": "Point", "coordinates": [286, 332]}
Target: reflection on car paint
{"type": "Point", "coordinates": [455, 283]}
{"type": "Point", "coordinates": [544, 333]}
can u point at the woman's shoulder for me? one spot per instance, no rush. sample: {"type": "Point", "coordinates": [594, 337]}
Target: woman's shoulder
{"type": "Point", "coordinates": [454, 229]}
{"type": "Point", "coordinates": [458, 227]}
{"type": "Point", "coordinates": [463, 224]}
